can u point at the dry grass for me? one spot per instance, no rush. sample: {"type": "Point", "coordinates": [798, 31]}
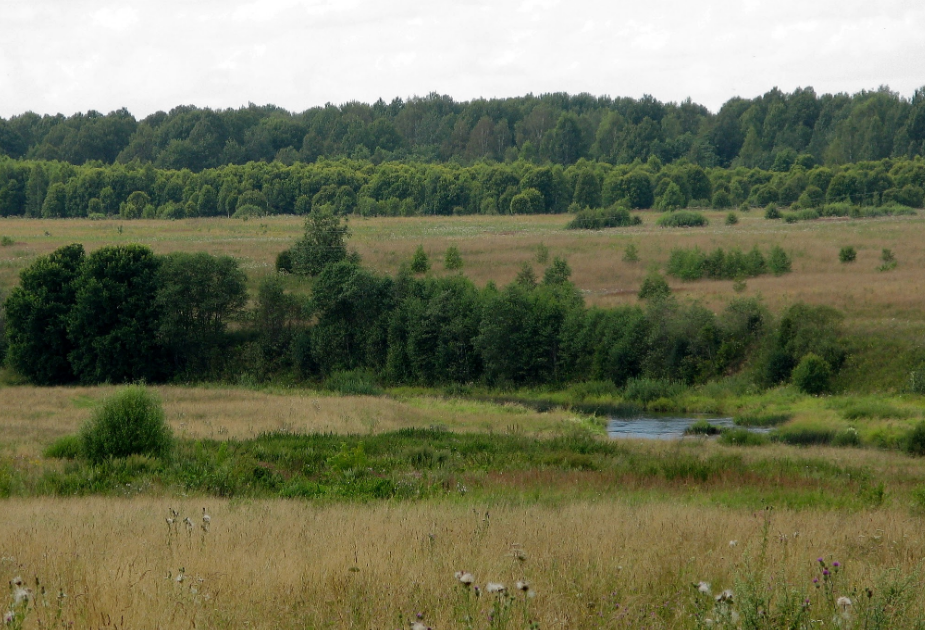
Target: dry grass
{"type": "Point", "coordinates": [33, 417]}
{"type": "Point", "coordinates": [297, 565]}
{"type": "Point", "coordinates": [494, 248]}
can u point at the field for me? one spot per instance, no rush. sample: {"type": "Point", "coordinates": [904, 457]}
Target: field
{"type": "Point", "coordinates": [334, 511]}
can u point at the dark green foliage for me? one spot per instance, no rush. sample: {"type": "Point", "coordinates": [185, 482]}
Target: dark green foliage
{"type": "Point", "coordinates": [732, 218]}
{"type": "Point", "coordinates": [760, 419]}
{"type": "Point", "coordinates": [682, 219]}
{"type": "Point", "coordinates": [600, 218]}
{"type": "Point", "coordinates": [419, 261]}
{"type": "Point", "coordinates": [558, 273]}
{"type": "Point", "coordinates": [38, 313]}
{"type": "Point", "coordinates": [130, 422]}
{"type": "Point", "coordinates": [324, 242]}
{"type": "Point", "coordinates": [847, 254]}
{"type": "Point", "coordinates": [654, 286]}
{"type": "Point", "coordinates": [631, 254]}
{"type": "Point", "coordinates": [274, 320]}
{"type": "Point", "coordinates": [742, 437]}
{"type": "Point", "coordinates": [352, 383]}
{"type": "Point", "coordinates": [116, 317]}
{"type": "Point", "coordinates": [771, 212]}
{"type": "Point", "coordinates": [646, 390]}
{"type": "Point", "coordinates": [693, 264]}
{"type": "Point", "coordinates": [702, 427]}
{"type": "Point", "coordinates": [804, 435]}
{"type": "Point", "coordinates": [812, 374]}
{"type": "Point", "coordinates": [198, 294]}
{"type": "Point", "coordinates": [914, 442]}
{"type": "Point", "coordinates": [284, 261]}
{"type": "Point", "coordinates": [671, 199]}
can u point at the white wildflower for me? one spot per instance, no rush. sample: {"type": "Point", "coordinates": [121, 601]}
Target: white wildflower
{"type": "Point", "coordinates": [843, 602]}
{"type": "Point", "coordinates": [495, 587]}
{"type": "Point", "coordinates": [465, 578]}
{"type": "Point", "coordinates": [725, 596]}
{"type": "Point", "coordinates": [733, 543]}
{"type": "Point", "coordinates": [21, 595]}
{"type": "Point", "coordinates": [704, 587]}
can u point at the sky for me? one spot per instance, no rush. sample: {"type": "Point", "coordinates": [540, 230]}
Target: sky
{"type": "Point", "coordinates": [76, 55]}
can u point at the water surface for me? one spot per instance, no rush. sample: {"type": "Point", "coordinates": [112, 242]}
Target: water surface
{"type": "Point", "coordinates": [658, 427]}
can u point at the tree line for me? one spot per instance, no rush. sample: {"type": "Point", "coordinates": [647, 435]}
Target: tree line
{"type": "Point", "coordinates": [116, 315]}
{"type": "Point", "coordinates": [58, 189]}
{"type": "Point", "coordinates": [555, 128]}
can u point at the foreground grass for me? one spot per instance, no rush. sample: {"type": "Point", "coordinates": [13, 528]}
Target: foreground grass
{"type": "Point", "coordinates": [590, 564]}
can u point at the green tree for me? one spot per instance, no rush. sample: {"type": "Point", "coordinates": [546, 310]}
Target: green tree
{"type": "Point", "coordinates": [130, 422]}
{"type": "Point", "coordinates": [115, 320]}
{"type": "Point", "coordinates": [38, 312]}
{"type": "Point", "coordinates": [587, 190]}
{"type": "Point", "coordinates": [812, 375]}
{"type": "Point", "coordinates": [452, 260]}
{"type": "Point", "coordinates": [419, 261]}
{"type": "Point", "coordinates": [671, 199]}
{"type": "Point", "coordinates": [198, 294]}
{"type": "Point", "coordinates": [324, 242]}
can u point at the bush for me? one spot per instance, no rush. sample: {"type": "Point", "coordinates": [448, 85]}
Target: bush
{"type": "Point", "coordinates": [683, 218]}
{"type": "Point", "coordinates": [732, 218]}
{"type": "Point", "coordinates": [601, 218]}
{"type": "Point", "coordinates": [67, 447]}
{"type": "Point", "coordinates": [914, 442]}
{"type": "Point", "coordinates": [452, 260]}
{"type": "Point", "coordinates": [847, 437]}
{"type": "Point", "coordinates": [805, 436]}
{"type": "Point", "coordinates": [631, 254]}
{"type": "Point", "coordinates": [702, 427]}
{"type": "Point", "coordinates": [812, 375]}
{"type": "Point", "coordinates": [847, 254]}
{"type": "Point", "coordinates": [763, 420]}
{"type": "Point", "coordinates": [130, 422]}
{"type": "Point", "coordinates": [353, 383]}
{"type": "Point", "coordinates": [654, 286]}
{"type": "Point", "coordinates": [284, 261]}
{"type": "Point", "coordinates": [771, 212]}
{"type": "Point", "coordinates": [646, 390]}
{"type": "Point", "coordinates": [778, 261]}
{"type": "Point", "coordinates": [420, 262]}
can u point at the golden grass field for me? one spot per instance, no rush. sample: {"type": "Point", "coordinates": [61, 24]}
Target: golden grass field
{"type": "Point", "coordinates": [288, 564]}
{"type": "Point", "coordinates": [494, 248]}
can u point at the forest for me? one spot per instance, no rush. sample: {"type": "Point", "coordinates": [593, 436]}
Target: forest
{"type": "Point", "coordinates": [766, 132]}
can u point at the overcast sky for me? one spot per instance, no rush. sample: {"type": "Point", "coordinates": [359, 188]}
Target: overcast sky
{"type": "Point", "coordinates": [74, 55]}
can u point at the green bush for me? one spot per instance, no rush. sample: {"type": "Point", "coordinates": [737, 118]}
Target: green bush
{"type": "Point", "coordinates": [654, 286]}
{"type": "Point", "coordinates": [771, 212]}
{"type": "Point", "coordinates": [812, 375]}
{"type": "Point", "coordinates": [847, 254]}
{"type": "Point", "coordinates": [683, 218]}
{"type": "Point", "coordinates": [778, 261]}
{"type": "Point", "coordinates": [804, 435]}
{"type": "Point", "coordinates": [6, 241]}
{"type": "Point", "coordinates": [646, 390]}
{"type": "Point", "coordinates": [847, 437]}
{"type": "Point", "coordinates": [914, 442]}
{"type": "Point", "coordinates": [67, 447]}
{"type": "Point", "coordinates": [353, 383]}
{"type": "Point", "coordinates": [600, 218]}
{"type": "Point", "coordinates": [702, 427]}
{"type": "Point", "coordinates": [732, 218]}
{"type": "Point", "coordinates": [130, 422]}
{"type": "Point", "coordinates": [419, 262]}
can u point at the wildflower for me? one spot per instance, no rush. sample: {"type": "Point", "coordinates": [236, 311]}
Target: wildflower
{"type": "Point", "coordinates": [522, 585]}
{"type": "Point", "coordinates": [417, 625]}
{"type": "Point", "coordinates": [495, 587]}
{"type": "Point", "coordinates": [9, 617]}
{"type": "Point", "coordinates": [843, 602]}
{"type": "Point", "coordinates": [725, 596]}
{"type": "Point", "coordinates": [465, 578]}
{"type": "Point", "coordinates": [16, 581]}
{"type": "Point", "coordinates": [703, 587]}
{"type": "Point", "coordinates": [836, 564]}
{"type": "Point", "coordinates": [21, 595]}
{"type": "Point", "coordinates": [733, 543]}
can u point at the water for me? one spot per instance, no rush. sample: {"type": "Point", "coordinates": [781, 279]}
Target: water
{"type": "Point", "coordinates": [658, 428]}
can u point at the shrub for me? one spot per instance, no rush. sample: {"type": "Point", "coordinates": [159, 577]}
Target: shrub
{"type": "Point", "coordinates": [67, 447]}
{"type": "Point", "coordinates": [631, 254]}
{"type": "Point", "coordinates": [452, 260]}
{"type": "Point", "coordinates": [847, 437]}
{"type": "Point", "coordinates": [732, 218]}
{"type": "Point", "coordinates": [812, 374]}
{"type": "Point", "coordinates": [420, 262]}
{"type": "Point", "coordinates": [847, 254]}
{"type": "Point", "coordinates": [702, 427]}
{"type": "Point", "coordinates": [888, 259]}
{"type": "Point", "coordinates": [6, 241]}
{"type": "Point", "coordinates": [353, 383]}
{"type": "Point", "coordinates": [284, 261]}
{"type": "Point", "coordinates": [914, 442]}
{"type": "Point", "coordinates": [771, 211]}
{"type": "Point", "coordinates": [683, 218]}
{"type": "Point", "coordinates": [654, 286]}
{"type": "Point", "coordinates": [778, 261]}
{"type": "Point", "coordinates": [601, 218]}
{"type": "Point", "coordinates": [646, 390]}
{"type": "Point", "coordinates": [804, 435]}
{"type": "Point", "coordinates": [130, 422]}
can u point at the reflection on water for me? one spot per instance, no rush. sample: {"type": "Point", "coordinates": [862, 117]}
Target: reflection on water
{"type": "Point", "coordinates": [661, 428]}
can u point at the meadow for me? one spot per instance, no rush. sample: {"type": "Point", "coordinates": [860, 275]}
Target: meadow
{"type": "Point", "coordinates": [331, 511]}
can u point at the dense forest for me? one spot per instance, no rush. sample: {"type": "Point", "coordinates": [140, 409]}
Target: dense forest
{"type": "Point", "coordinates": [765, 132]}
{"type": "Point", "coordinates": [116, 315]}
